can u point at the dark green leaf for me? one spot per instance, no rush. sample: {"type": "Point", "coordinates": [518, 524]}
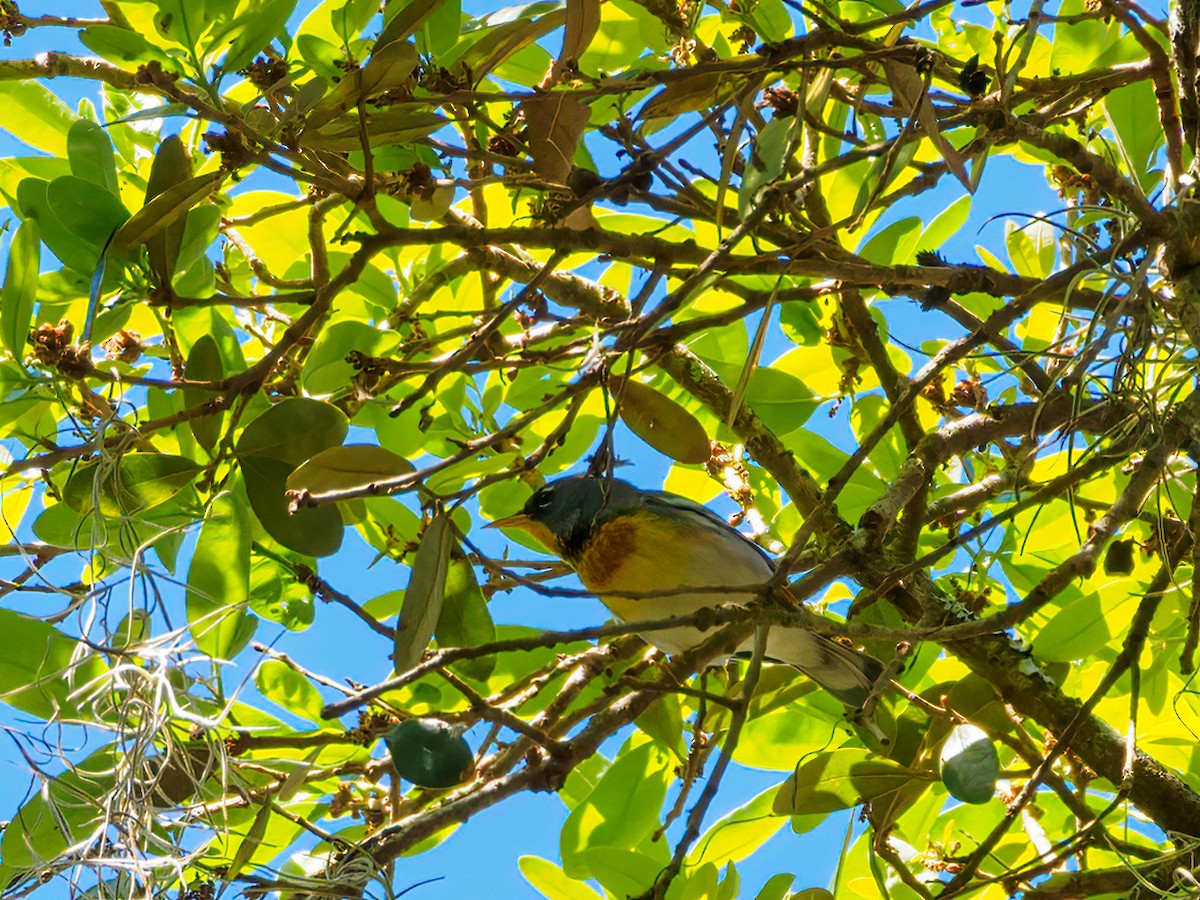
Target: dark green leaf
{"type": "Point", "coordinates": [166, 209]}
{"type": "Point", "coordinates": [347, 467]}
{"type": "Point", "coordinates": [840, 779]}
{"type": "Point", "coordinates": [403, 20]}
{"type": "Point", "coordinates": [91, 155]}
{"type": "Point", "coordinates": [661, 422]}
{"type": "Point", "coordinates": [464, 620]}
{"type": "Point", "coordinates": [61, 526]}
{"type": "Point", "coordinates": [389, 67]}
{"type": "Point", "coordinates": [253, 30]}
{"type": "Point", "coordinates": [293, 430]}
{"type": "Point", "coordinates": [315, 531]}
{"type": "Point", "coordinates": [136, 483]}
{"type": "Point", "coordinates": [88, 211]}
{"type": "Point", "coordinates": [393, 126]}
{"type": "Point", "coordinates": [204, 364]}
{"type": "Point", "coordinates": [425, 594]}
{"type": "Point", "coordinates": [172, 166]}
{"type": "Point", "coordinates": [774, 146]}
{"type": "Point", "coordinates": [78, 255]}
{"type": "Point", "coordinates": [20, 288]}
{"type": "Point", "coordinates": [692, 94]}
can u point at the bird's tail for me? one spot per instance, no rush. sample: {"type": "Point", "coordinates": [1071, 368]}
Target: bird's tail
{"type": "Point", "coordinates": [843, 671]}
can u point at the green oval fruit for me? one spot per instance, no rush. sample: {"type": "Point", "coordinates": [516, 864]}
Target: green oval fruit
{"type": "Point", "coordinates": [430, 753]}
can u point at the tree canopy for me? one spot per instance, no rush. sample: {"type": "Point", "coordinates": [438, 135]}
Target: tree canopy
{"type": "Point", "coordinates": [292, 284]}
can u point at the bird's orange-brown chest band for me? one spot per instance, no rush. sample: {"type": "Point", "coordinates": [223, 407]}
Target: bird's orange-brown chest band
{"type": "Point", "coordinates": [606, 553]}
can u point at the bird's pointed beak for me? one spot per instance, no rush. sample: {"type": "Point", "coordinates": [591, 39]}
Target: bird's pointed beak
{"type": "Point", "coordinates": [535, 529]}
{"type": "Point", "coordinates": [520, 520]}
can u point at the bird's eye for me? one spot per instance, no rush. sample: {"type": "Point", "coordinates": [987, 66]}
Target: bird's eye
{"type": "Point", "coordinates": [543, 498]}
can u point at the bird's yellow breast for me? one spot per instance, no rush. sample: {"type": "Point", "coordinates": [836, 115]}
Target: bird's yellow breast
{"type": "Point", "coordinates": [644, 553]}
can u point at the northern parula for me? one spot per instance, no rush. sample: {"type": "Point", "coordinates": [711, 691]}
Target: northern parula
{"type": "Point", "coordinates": [621, 539]}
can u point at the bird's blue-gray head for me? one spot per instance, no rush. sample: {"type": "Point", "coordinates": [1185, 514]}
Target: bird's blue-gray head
{"type": "Point", "coordinates": [562, 513]}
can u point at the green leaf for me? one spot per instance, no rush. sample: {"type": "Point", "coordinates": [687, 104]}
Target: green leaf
{"type": "Point", "coordinates": [388, 68]}
{"type": "Point", "coordinates": [33, 114]}
{"type": "Point", "coordinates": [253, 30]}
{"type": "Point", "coordinates": [739, 834]}
{"type": "Point", "coordinates": [91, 155]}
{"type": "Point", "coordinates": [403, 19]}
{"type": "Point", "coordinates": [692, 94]}
{"type": "Point", "coordinates": [68, 808]}
{"type": "Point", "coordinates": [20, 288]}
{"type": "Point", "coordinates": [313, 531]}
{"type": "Point", "coordinates": [61, 526]}
{"type": "Point", "coordinates": [326, 370]}
{"type": "Point", "coordinates": [1031, 248]}
{"type": "Point", "coordinates": [204, 364]}
{"type": "Point", "coordinates": [218, 580]}
{"type": "Point", "coordinates": [1126, 108]}
{"type": "Point", "coordinates": [1083, 625]}
{"type": "Point", "coordinates": [661, 422]}
{"type": "Point", "coordinates": [251, 842]}
{"type": "Point", "coordinates": [63, 241]}
{"type": "Point", "coordinates": [464, 619]}
{"type": "Point", "coordinates": [183, 21]}
{"type": "Point", "coordinates": [777, 887]}
{"type": "Point", "coordinates": [346, 468]}
{"type": "Point", "coordinates": [124, 47]}
{"type": "Point", "coordinates": [284, 686]}
{"type": "Point", "coordinates": [970, 765]}
{"type": "Point", "coordinates": [172, 166]}
{"type": "Point", "coordinates": [166, 209]}
{"type": "Point", "coordinates": [495, 37]}
{"type": "Point", "coordinates": [623, 873]}
{"type": "Point", "coordinates": [38, 669]}
{"type": "Point", "coordinates": [840, 779]}
{"type": "Point", "coordinates": [430, 753]}
{"type": "Point", "coordinates": [621, 810]}
{"type": "Point", "coordinates": [392, 126]}
{"type": "Point", "coordinates": [88, 211]}
{"type": "Point", "coordinates": [552, 881]}
{"type": "Point", "coordinates": [946, 224]}
{"type": "Point", "coordinates": [425, 594]}
{"type": "Point", "coordinates": [895, 244]}
{"type": "Point", "coordinates": [293, 431]}
{"type": "Point", "coordinates": [663, 721]}
{"type": "Point", "coordinates": [136, 483]}
{"type": "Point", "coordinates": [774, 146]}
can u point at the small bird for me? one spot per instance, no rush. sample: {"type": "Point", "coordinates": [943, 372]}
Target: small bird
{"type": "Point", "coordinates": [623, 540]}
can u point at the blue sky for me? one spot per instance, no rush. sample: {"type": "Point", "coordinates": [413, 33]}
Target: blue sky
{"type": "Point", "coordinates": [481, 858]}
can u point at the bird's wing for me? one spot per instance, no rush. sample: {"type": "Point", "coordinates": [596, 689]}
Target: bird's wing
{"type": "Point", "coordinates": [681, 509]}
{"type": "Point", "coordinates": [842, 671]}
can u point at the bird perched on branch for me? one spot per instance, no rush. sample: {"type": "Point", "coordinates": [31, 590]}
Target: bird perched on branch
{"type": "Point", "coordinates": [623, 540]}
